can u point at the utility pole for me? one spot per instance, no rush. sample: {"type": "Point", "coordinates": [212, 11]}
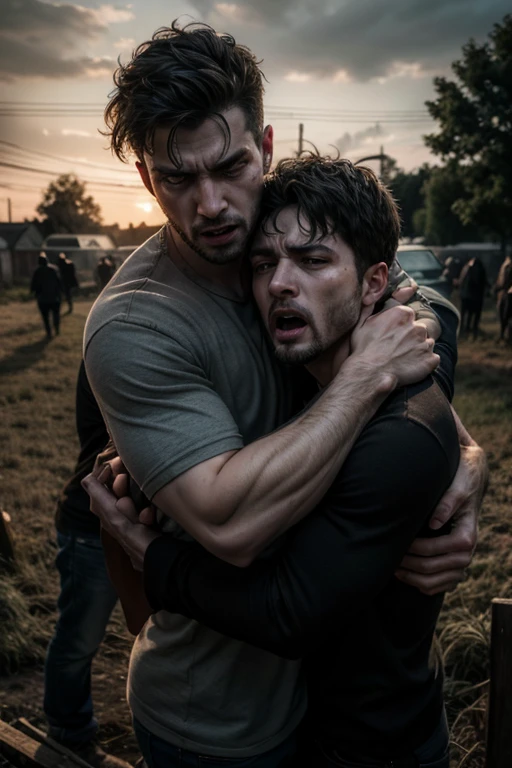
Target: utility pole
{"type": "Point", "coordinates": [9, 210]}
{"type": "Point", "coordinates": [301, 139]}
{"type": "Point", "coordinates": [381, 162]}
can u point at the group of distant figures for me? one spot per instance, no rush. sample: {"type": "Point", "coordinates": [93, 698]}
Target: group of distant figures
{"type": "Point", "coordinates": [473, 285]}
{"type": "Point", "coordinates": [51, 282]}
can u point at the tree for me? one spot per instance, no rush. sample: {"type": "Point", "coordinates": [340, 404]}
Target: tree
{"type": "Point", "coordinates": [475, 123]}
{"type": "Point", "coordinates": [442, 225]}
{"type": "Point", "coordinates": [407, 189]}
{"type": "Point", "coordinates": [68, 208]}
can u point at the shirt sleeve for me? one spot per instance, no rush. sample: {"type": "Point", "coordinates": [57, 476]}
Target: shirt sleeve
{"type": "Point", "coordinates": [161, 408]}
{"type": "Point", "coordinates": [446, 348]}
{"type": "Point", "coordinates": [332, 564]}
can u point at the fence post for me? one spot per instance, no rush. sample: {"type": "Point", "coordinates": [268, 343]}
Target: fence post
{"type": "Point", "coordinates": [499, 710]}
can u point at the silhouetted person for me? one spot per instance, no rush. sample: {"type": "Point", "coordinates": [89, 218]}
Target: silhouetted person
{"type": "Point", "coordinates": [47, 286]}
{"type": "Point", "coordinates": [503, 291]}
{"type": "Point", "coordinates": [104, 271]}
{"type": "Point", "coordinates": [452, 270]}
{"type": "Point", "coordinates": [472, 285]}
{"type": "Point", "coordinates": [68, 278]}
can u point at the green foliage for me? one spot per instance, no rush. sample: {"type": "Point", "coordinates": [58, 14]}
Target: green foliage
{"type": "Point", "coordinates": [68, 208]}
{"type": "Point", "coordinates": [407, 189]}
{"type": "Point", "coordinates": [475, 120]}
{"type": "Point", "coordinates": [443, 190]}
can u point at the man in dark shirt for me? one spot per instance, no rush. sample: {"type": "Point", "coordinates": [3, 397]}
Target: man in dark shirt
{"type": "Point", "coordinates": [47, 287]}
{"type": "Point", "coordinates": [86, 599]}
{"type": "Point", "coordinates": [69, 280]}
{"type": "Point", "coordinates": [320, 261]}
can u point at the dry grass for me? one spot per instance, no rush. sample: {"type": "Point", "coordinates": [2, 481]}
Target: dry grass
{"type": "Point", "coordinates": [38, 447]}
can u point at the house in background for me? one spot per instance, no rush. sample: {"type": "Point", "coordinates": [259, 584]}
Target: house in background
{"type": "Point", "coordinates": [23, 244]}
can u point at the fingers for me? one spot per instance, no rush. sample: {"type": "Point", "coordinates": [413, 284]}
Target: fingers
{"type": "Point", "coordinates": [106, 506]}
{"type": "Point", "coordinates": [447, 507]}
{"type": "Point", "coordinates": [434, 584]}
{"type": "Point", "coordinates": [405, 294]}
{"type": "Point", "coordinates": [147, 516]}
{"type": "Point", "coordinates": [454, 561]}
{"type": "Point", "coordinates": [128, 509]}
{"type": "Point", "coordinates": [121, 485]}
{"type": "Point", "coordinates": [365, 314]}
{"type": "Point", "coordinates": [461, 539]}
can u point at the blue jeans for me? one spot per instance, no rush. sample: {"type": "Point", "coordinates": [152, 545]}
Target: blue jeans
{"type": "Point", "coordinates": [158, 753]}
{"type": "Point", "coordinates": [85, 603]}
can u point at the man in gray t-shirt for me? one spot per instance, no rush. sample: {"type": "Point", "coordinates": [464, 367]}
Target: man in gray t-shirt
{"type": "Point", "coordinates": [182, 371]}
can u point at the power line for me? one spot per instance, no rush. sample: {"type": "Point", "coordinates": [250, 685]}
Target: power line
{"type": "Point", "coordinates": [96, 105]}
{"type": "Point", "coordinates": [52, 173]}
{"type": "Point", "coordinates": [64, 159]}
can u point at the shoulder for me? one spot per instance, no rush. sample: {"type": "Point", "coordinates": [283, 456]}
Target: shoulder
{"type": "Point", "coordinates": [414, 430]}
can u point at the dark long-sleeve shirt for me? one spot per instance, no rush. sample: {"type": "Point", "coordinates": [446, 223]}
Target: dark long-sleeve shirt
{"type": "Point", "coordinates": [73, 513]}
{"type": "Point", "coordinates": [329, 592]}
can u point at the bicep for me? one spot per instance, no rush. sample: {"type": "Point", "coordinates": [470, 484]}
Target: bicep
{"type": "Point", "coordinates": [161, 409]}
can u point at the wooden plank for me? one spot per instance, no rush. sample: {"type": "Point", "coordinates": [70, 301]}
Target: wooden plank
{"type": "Point", "coordinates": [6, 543]}
{"type": "Point", "coordinates": [499, 712]}
{"type": "Point", "coordinates": [25, 752]}
{"type": "Point", "coordinates": [35, 733]}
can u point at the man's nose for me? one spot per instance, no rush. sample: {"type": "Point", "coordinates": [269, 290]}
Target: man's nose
{"type": "Point", "coordinates": [283, 280]}
{"type": "Point", "coordinates": [210, 198]}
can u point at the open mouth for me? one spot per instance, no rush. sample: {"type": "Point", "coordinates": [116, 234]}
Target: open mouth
{"type": "Point", "coordinates": [288, 327]}
{"type": "Point", "coordinates": [220, 233]}
{"type": "Point", "coordinates": [289, 322]}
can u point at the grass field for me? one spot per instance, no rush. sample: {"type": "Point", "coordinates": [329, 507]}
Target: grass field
{"type": "Point", "coordinates": [38, 448]}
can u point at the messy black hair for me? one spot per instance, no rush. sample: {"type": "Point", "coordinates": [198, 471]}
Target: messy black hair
{"type": "Point", "coordinates": [335, 197]}
{"type": "Point", "coordinates": [182, 76]}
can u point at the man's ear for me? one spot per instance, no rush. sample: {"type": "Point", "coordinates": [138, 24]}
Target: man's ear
{"type": "Point", "coordinates": [375, 282]}
{"type": "Point", "coordinates": [144, 174]}
{"type": "Point", "coordinates": [267, 148]}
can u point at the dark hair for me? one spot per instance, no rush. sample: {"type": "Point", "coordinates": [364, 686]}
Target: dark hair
{"type": "Point", "coordinates": [336, 198]}
{"type": "Point", "coordinates": [182, 76]}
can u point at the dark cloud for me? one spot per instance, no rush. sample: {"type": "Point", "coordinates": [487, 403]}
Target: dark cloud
{"type": "Point", "coordinates": [40, 39]}
{"type": "Point", "coordinates": [364, 37]}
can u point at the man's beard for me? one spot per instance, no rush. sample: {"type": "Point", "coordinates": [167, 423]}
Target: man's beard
{"type": "Point", "coordinates": [221, 254]}
{"type": "Point", "coordinates": [341, 320]}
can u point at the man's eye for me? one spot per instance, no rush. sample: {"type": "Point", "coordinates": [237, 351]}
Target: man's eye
{"type": "Point", "coordinates": [236, 170]}
{"type": "Point", "coordinates": [310, 261]}
{"type": "Point", "coordinates": [263, 266]}
{"type": "Point", "coordinates": [174, 180]}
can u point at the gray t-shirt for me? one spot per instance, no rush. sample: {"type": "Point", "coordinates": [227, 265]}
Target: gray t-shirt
{"type": "Point", "coordinates": [183, 374]}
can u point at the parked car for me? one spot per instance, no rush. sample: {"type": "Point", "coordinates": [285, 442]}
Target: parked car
{"type": "Point", "coordinates": [424, 266]}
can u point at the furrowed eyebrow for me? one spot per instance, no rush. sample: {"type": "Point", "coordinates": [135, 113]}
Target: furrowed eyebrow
{"type": "Point", "coordinates": [222, 165]}
{"type": "Point", "coordinates": [231, 160]}
{"type": "Point", "coordinates": [169, 171]}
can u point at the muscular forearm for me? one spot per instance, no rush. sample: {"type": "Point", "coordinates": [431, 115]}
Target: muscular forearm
{"type": "Point", "coordinates": [268, 486]}
{"type": "Point", "coordinates": [332, 565]}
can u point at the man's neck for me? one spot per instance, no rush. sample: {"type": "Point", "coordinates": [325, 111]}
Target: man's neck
{"type": "Point", "coordinates": [229, 279]}
{"type": "Point", "coordinates": [325, 367]}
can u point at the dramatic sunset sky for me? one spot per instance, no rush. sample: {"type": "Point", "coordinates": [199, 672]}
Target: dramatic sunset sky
{"type": "Point", "coordinates": [356, 73]}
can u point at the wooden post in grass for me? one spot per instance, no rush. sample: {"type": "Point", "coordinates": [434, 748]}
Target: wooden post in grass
{"type": "Point", "coordinates": [6, 543]}
{"type": "Point", "coordinates": [499, 710]}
